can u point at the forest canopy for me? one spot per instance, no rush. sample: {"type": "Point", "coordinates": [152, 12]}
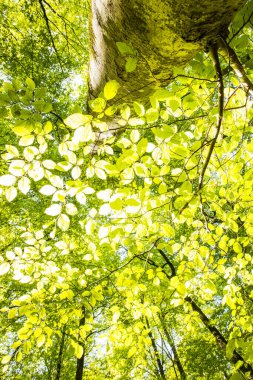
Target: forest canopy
{"type": "Point", "coordinates": [126, 222]}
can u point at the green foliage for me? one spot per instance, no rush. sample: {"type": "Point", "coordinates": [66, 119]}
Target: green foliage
{"type": "Point", "coordinates": [110, 248]}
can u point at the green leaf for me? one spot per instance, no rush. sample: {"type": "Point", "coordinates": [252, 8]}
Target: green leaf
{"type": "Point", "coordinates": [139, 109]}
{"type": "Point", "coordinates": [116, 204]}
{"type": "Point", "coordinates": [53, 210]}
{"type": "Point", "coordinates": [24, 185]}
{"type": "Point", "coordinates": [26, 140]}
{"type": "Point", "coordinates": [135, 121]}
{"type": "Point", "coordinates": [12, 313]}
{"type": "Point", "coordinates": [142, 146]}
{"type": "Point", "coordinates": [40, 93]}
{"type": "Point", "coordinates": [162, 94]}
{"type": "Point", "coordinates": [63, 222]}
{"type": "Point", "coordinates": [83, 134]}
{"type": "Point", "coordinates": [141, 170]}
{"type": "Point", "coordinates": [125, 49]}
{"type": "Point", "coordinates": [30, 83]}
{"type": "Point", "coordinates": [100, 173]}
{"type": "Point", "coordinates": [22, 130]}
{"type": "Point", "coordinates": [7, 180]}
{"type": "Point", "coordinates": [125, 112]}
{"type": "Point", "coordinates": [4, 268]}
{"type": "Point", "coordinates": [81, 198]}
{"type": "Point", "coordinates": [132, 351]}
{"type": "Point", "coordinates": [236, 376]}
{"type": "Point", "coordinates": [131, 64]}
{"type": "Point", "coordinates": [135, 136]}
{"type": "Point", "coordinates": [76, 120]}
{"type": "Point", "coordinates": [47, 190]}
{"type": "Point", "coordinates": [111, 89]}
{"type": "Point", "coordinates": [132, 202]}
{"type": "Point", "coordinates": [97, 105]}
{"type": "Point", "coordinates": [42, 106]}
{"type": "Point", "coordinates": [19, 356]}
{"type": "Point", "coordinates": [71, 209]}
{"type": "Point", "coordinates": [6, 359]}
{"type": "Point", "coordinates": [11, 193]}
{"type": "Point", "coordinates": [41, 340]}
{"type": "Point", "coordinates": [78, 351]}
{"type": "Point", "coordinates": [152, 115]}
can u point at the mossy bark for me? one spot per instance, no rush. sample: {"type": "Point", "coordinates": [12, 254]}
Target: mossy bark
{"type": "Point", "coordinates": [165, 34]}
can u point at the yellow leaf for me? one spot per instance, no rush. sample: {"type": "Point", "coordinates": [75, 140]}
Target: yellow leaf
{"type": "Point", "coordinates": [131, 352]}
{"type": "Point", "coordinates": [19, 356]}
{"type": "Point", "coordinates": [6, 359]}
{"type": "Point", "coordinates": [111, 89]}
{"type": "Point", "coordinates": [4, 268]}
{"type": "Point", "coordinates": [41, 340]}
{"type": "Point", "coordinates": [78, 351]}
{"type": "Point", "coordinates": [12, 313]}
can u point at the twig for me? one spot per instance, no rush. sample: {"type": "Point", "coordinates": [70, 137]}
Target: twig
{"type": "Point", "coordinates": [58, 117]}
{"type": "Point", "coordinates": [241, 28]}
{"type": "Point", "coordinates": [215, 57]}
{"type": "Point", "coordinates": [50, 32]}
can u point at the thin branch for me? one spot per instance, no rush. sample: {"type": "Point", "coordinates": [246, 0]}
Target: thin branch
{"type": "Point", "coordinates": [215, 57]}
{"type": "Point", "coordinates": [66, 22]}
{"type": "Point", "coordinates": [241, 28]}
{"type": "Point", "coordinates": [195, 78]}
{"type": "Point", "coordinates": [172, 268]}
{"type": "Point", "coordinates": [236, 65]}
{"type": "Point", "coordinates": [50, 32]}
{"type": "Point", "coordinates": [58, 117]}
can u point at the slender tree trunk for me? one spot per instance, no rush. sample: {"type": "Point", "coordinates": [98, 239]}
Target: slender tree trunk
{"type": "Point", "coordinates": [174, 350]}
{"type": "Point", "coordinates": [60, 355]}
{"type": "Point", "coordinates": [158, 360]}
{"type": "Point", "coordinates": [222, 342]}
{"type": "Point", "coordinates": [80, 361]}
{"type": "Point", "coordinates": [159, 36]}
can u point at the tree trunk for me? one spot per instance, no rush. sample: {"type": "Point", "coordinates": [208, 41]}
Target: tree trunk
{"type": "Point", "coordinates": [174, 350]}
{"type": "Point", "coordinates": [220, 339]}
{"type": "Point", "coordinates": [156, 352]}
{"type": "Point", "coordinates": [60, 355]}
{"type": "Point", "coordinates": [159, 35]}
{"type": "Point", "coordinates": [222, 342]}
{"type": "Point", "coordinates": [80, 361]}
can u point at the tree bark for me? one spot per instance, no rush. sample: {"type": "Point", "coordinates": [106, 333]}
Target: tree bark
{"type": "Point", "coordinates": [162, 35]}
{"type": "Point", "coordinates": [174, 350]}
{"type": "Point", "coordinates": [60, 355]}
{"type": "Point", "coordinates": [236, 65]}
{"type": "Point", "coordinates": [221, 341]}
{"type": "Point", "coordinates": [160, 368]}
{"type": "Point", "coordinates": [80, 361]}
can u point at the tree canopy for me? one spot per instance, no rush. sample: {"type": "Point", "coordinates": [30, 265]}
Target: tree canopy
{"type": "Point", "coordinates": [126, 224]}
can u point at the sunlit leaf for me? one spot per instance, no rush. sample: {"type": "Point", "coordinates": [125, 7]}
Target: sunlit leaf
{"type": "Point", "coordinates": [4, 268]}
{"type": "Point", "coordinates": [63, 222]}
{"type": "Point", "coordinates": [7, 180]}
{"type": "Point", "coordinates": [53, 210]}
{"type": "Point", "coordinates": [111, 89]}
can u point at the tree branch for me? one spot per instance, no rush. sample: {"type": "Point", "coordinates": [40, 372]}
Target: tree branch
{"type": "Point", "coordinates": [50, 32]}
{"type": "Point", "coordinates": [172, 268]}
{"type": "Point", "coordinates": [241, 27]}
{"type": "Point", "coordinates": [236, 65]}
{"type": "Point", "coordinates": [215, 57]}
